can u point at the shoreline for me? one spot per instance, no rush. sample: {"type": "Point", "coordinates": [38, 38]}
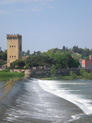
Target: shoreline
{"type": "Point", "coordinates": [64, 78]}
{"type": "Point", "coordinates": [7, 75]}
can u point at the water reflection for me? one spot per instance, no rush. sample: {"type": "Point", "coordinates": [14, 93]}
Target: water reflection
{"type": "Point", "coordinates": [6, 88]}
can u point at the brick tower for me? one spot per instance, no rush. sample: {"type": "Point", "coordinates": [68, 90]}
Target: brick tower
{"type": "Point", "coordinates": [14, 48]}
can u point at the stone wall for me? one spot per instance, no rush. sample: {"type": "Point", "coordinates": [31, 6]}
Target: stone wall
{"type": "Point", "coordinates": [17, 70]}
{"type": "Point", "coordinates": [47, 73]}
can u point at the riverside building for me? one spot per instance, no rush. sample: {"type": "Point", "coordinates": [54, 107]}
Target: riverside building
{"type": "Point", "coordinates": [86, 63]}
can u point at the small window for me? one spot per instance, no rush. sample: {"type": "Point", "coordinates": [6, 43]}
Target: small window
{"type": "Point", "coordinates": [14, 46]}
{"type": "Point", "coordinates": [15, 56]}
{"type": "Point", "coordinates": [10, 56]}
{"type": "Point", "coordinates": [10, 45]}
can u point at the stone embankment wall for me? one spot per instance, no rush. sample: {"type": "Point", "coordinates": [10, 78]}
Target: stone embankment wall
{"type": "Point", "coordinates": [17, 70]}
{"type": "Point", "coordinates": [38, 73]}
{"type": "Point", "coordinates": [47, 73]}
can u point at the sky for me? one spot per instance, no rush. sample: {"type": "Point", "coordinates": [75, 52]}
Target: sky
{"type": "Point", "coordinates": [47, 24]}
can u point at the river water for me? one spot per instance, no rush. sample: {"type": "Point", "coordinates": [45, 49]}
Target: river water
{"type": "Point", "coordinates": [46, 101]}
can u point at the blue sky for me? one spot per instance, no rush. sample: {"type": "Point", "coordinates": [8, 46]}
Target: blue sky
{"type": "Point", "coordinates": [46, 24]}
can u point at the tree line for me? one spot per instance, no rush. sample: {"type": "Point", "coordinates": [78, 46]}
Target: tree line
{"type": "Point", "coordinates": [3, 57]}
{"type": "Point", "coordinates": [59, 59]}
{"type": "Point", "coordinates": [79, 53]}
{"type": "Point", "coordinates": [84, 53]}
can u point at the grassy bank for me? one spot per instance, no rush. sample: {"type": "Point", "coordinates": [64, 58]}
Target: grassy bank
{"type": "Point", "coordinates": [83, 75]}
{"type": "Point", "coordinates": [6, 75]}
{"type": "Point", "coordinates": [64, 78]}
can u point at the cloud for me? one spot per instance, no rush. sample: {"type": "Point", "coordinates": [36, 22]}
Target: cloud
{"type": "Point", "coordinates": [21, 1]}
{"type": "Point", "coordinates": [2, 12]}
{"type": "Point", "coordinates": [33, 10]}
{"type": "Point", "coordinates": [51, 7]}
{"type": "Point", "coordinates": [34, 6]}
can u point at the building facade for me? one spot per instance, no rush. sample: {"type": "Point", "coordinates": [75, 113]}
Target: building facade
{"type": "Point", "coordinates": [14, 48]}
{"type": "Point", "coordinates": [90, 57]}
{"type": "Point", "coordinates": [85, 63]}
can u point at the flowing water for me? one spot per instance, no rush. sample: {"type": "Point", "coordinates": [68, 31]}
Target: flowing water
{"type": "Point", "coordinates": [40, 101]}
{"type": "Point", "coordinates": [78, 92]}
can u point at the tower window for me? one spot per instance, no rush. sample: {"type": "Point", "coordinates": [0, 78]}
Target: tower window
{"type": "Point", "coordinates": [10, 56]}
{"type": "Point", "coordinates": [10, 45]}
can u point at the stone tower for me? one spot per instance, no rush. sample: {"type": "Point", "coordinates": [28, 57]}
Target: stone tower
{"type": "Point", "coordinates": [14, 48]}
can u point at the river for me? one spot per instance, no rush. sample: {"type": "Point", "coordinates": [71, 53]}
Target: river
{"type": "Point", "coordinates": [46, 101]}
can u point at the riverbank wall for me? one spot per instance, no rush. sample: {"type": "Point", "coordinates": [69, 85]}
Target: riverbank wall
{"type": "Point", "coordinates": [47, 73]}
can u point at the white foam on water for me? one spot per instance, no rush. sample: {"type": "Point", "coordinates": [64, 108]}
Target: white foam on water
{"type": "Point", "coordinates": [51, 86]}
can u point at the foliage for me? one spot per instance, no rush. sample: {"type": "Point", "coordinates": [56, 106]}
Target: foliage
{"type": "Point", "coordinates": [18, 64]}
{"type": "Point", "coordinates": [85, 74]}
{"type": "Point", "coordinates": [27, 53]}
{"type": "Point", "coordinates": [37, 53]}
{"type": "Point", "coordinates": [76, 55]}
{"type": "Point", "coordinates": [53, 70]}
{"type": "Point", "coordinates": [3, 55]}
{"type": "Point", "coordinates": [72, 76]}
{"type": "Point", "coordinates": [82, 71]}
{"type": "Point", "coordinates": [8, 75]}
{"type": "Point", "coordinates": [50, 53]}
{"type": "Point", "coordinates": [6, 70]}
{"type": "Point", "coordinates": [71, 73]}
{"type": "Point", "coordinates": [39, 60]}
{"type": "Point", "coordinates": [2, 62]}
{"type": "Point", "coordinates": [65, 60]}
{"type": "Point", "coordinates": [54, 56]}
{"type": "Point", "coordinates": [83, 52]}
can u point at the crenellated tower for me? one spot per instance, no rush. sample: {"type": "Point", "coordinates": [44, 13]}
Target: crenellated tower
{"type": "Point", "coordinates": [14, 48]}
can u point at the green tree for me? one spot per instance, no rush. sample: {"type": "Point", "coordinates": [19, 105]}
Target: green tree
{"type": "Point", "coordinates": [3, 55]}
{"type": "Point", "coordinates": [53, 70]}
{"type": "Point", "coordinates": [58, 59]}
{"type": "Point", "coordinates": [39, 60]}
{"type": "Point", "coordinates": [23, 53]}
{"type": "Point", "coordinates": [71, 73]}
{"type": "Point", "coordinates": [50, 53]}
{"type": "Point", "coordinates": [82, 71]}
{"type": "Point", "coordinates": [28, 52]}
{"type": "Point", "coordinates": [18, 64]}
